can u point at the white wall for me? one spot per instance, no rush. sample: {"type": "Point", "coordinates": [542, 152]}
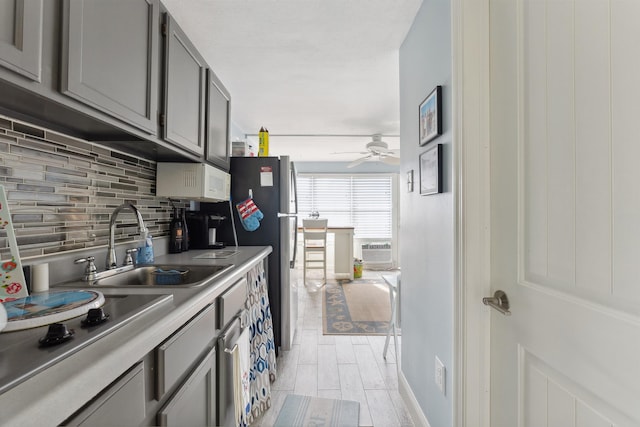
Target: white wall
{"type": "Point", "coordinates": [426, 222]}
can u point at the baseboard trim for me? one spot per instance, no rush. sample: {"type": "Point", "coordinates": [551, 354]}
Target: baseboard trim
{"type": "Point", "coordinates": [415, 412]}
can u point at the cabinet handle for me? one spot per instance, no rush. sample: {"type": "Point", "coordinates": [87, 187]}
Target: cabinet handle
{"type": "Point", "coordinates": [232, 349]}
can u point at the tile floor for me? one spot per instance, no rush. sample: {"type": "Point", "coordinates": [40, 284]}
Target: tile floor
{"type": "Point", "coordinates": [338, 367]}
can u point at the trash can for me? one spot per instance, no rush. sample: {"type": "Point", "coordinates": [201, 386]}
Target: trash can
{"type": "Point", "coordinates": [357, 268]}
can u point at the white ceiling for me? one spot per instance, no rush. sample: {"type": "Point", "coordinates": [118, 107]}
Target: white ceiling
{"type": "Point", "coordinates": [305, 67]}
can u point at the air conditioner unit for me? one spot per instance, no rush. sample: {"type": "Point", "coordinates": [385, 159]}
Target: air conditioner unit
{"type": "Point", "coordinates": [377, 253]}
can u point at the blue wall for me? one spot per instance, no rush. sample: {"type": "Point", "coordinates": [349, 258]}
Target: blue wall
{"type": "Point", "coordinates": [426, 222]}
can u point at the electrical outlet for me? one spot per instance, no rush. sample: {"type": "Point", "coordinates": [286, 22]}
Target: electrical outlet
{"type": "Point", "coordinates": [440, 375]}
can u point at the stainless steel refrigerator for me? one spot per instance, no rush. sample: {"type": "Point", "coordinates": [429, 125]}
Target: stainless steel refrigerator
{"type": "Point", "coordinates": [271, 182]}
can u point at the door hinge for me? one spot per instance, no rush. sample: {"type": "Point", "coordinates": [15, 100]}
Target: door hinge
{"type": "Point", "coordinates": [162, 119]}
{"type": "Point", "coordinates": [164, 29]}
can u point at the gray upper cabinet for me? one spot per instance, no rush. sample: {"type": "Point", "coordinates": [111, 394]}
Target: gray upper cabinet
{"type": "Point", "coordinates": [185, 89]}
{"type": "Point", "coordinates": [21, 37]}
{"type": "Point", "coordinates": [218, 122]}
{"type": "Point", "coordinates": [110, 58]}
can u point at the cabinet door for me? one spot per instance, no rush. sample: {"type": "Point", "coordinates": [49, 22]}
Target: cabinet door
{"type": "Point", "coordinates": [218, 122]}
{"type": "Point", "coordinates": [120, 404]}
{"type": "Point", "coordinates": [179, 352]}
{"type": "Point", "coordinates": [194, 402]}
{"type": "Point", "coordinates": [21, 37]}
{"type": "Point", "coordinates": [110, 58]}
{"type": "Point", "coordinates": [185, 90]}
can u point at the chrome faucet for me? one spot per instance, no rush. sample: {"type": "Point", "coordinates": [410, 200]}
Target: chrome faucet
{"type": "Point", "coordinates": [111, 252]}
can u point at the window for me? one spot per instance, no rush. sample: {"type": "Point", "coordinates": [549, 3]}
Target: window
{"type": "Point", "coordinates": [360, 201]}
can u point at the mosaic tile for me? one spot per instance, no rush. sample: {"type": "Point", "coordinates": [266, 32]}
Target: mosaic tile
{"type": "Point", "coordinates": [37, 154]}
{"type": "Point", "coordinates": [118, 186]}
{"type": "Point", "coordinates": [70, 187]}
{"type": "Point", "coordinates": [28, 130]}
{"type": "Point", "coordinates": [37, 145]}
{"type": "Point", "coordinates": [64, 171]}
{"type": "Point", "coordinates": [127, 159]}
{"type": "Point", "coordinates": [38, 188]}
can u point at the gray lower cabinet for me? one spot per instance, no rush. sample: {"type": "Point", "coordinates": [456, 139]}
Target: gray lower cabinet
{"type": "Point", "coordinates": [120, 404]}
{"type": "Point", "coordinates": [193, 404]}
{"type": "Point", "coordinates": [184, 90]}
{"type": "Point", "coordinates": [21, 37]}
{"type": "Point", "coordinates": [177, 355]}
{"type": "Point", "coordinates": [110, 58]}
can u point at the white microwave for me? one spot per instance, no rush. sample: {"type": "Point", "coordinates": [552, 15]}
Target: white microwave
{"type": "Point", "coordinates": [192, 181]}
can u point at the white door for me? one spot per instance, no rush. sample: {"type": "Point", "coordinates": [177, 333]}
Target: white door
{"type": "Point", "coordinates": [565, 212]}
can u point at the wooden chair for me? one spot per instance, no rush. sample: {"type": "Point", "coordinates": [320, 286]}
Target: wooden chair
{"type": "Point", "coordinates": [315, 246]}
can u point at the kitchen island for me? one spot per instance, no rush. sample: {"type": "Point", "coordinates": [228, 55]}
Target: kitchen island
{"type": "Point", "coordinates": [53, 395]}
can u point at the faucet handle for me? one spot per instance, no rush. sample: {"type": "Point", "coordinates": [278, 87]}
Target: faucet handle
{"type": "Point", "coordinates": [129, 259]}
{"type": "Point", "coordinates": [90, 270]}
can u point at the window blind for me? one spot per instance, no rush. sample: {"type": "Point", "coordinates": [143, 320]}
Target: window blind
{"type": "Point", "coordinates": [360, 201]}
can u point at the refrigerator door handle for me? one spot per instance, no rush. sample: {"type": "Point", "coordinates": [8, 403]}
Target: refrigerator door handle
{"type": "Point", "coordinates": [286, 215]}
{"type": "Point", "coordinates": [294, 184]}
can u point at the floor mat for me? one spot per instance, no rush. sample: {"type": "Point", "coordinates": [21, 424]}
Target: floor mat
{"type": "Point", "coordinates": [359, 307]}
{"type": "Point", "coordinates": [306, 411]}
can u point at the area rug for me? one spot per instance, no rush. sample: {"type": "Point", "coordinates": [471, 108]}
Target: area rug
{"type": "Point", "coordinates": [314, 411]}
{"type": "Point", "coordinates": [360, 307]}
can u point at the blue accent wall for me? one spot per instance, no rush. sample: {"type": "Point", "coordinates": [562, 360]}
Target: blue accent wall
{"type": "Point", "coordinates": [427, 222]}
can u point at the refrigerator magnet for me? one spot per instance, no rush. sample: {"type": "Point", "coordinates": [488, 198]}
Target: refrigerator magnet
{"type": "Point", "coordinates": [266, 176]}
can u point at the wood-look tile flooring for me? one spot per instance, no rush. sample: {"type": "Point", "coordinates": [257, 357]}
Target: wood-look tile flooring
{"type": "Point", "coordinates": [338, 367]}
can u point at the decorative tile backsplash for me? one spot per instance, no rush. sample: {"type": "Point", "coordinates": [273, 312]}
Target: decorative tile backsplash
{"type": "Point", "coordinates": [62, 190]}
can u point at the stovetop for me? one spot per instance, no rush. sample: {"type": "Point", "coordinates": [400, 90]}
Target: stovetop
{"type": "Point", "coordinates": [22, 355]}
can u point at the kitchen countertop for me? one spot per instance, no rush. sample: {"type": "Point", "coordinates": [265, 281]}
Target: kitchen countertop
{"type": "Point", "coordinates": [51, 396]}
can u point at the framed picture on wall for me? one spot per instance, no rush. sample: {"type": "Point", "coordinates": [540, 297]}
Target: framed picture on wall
{"type": "Point", "coordinates": [431, 170]}
{"type": "Point", "coordinates": [430, 117]}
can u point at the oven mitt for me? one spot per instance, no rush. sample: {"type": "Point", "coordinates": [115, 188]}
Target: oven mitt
{"type": "Point", "coordinates": [250, 215]}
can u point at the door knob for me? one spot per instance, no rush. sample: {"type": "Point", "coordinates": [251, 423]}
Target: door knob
{"type": "Point", "coordinates": [499, 301]}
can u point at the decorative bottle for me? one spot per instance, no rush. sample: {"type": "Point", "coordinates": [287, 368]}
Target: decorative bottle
{"type": "Point", "coordinates": [175, 233]}
{"type": "Point", "coordinates": [185, 231]}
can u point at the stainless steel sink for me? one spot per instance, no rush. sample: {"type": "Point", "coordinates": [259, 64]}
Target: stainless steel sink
{"type": "Point", "coordinates": [161, 275]}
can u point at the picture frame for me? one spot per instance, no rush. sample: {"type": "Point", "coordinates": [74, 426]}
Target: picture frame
{"type": "Point", "coordinates": [430, 117]}
{"type": "Point", "coordinates": [430, 163]}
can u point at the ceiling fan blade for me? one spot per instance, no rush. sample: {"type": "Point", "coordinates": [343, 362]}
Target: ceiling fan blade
{"type": "Point", "coordinates": [390, 160]}
{"type": "Point", "coordinates": [358, 161]}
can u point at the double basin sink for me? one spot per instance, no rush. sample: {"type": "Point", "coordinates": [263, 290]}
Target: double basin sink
{"type": "Point", "coordinates": [165, 275]}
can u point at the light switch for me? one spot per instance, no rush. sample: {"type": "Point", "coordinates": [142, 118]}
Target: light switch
{"type": "Point", "coordinates": [440, 375]}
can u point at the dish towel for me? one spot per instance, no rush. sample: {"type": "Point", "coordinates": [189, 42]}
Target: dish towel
{"type": "Point", "coordinates": [241, 396]}
{"type": "Point", "coordinates": [263, 348]}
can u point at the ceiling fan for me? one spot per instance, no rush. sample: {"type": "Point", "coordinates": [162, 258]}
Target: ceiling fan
{"type": "Point", "coordinates": [377, 150]}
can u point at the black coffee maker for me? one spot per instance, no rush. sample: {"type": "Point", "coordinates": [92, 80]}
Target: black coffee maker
{"type": "Point", "coordinates": [203, 229]}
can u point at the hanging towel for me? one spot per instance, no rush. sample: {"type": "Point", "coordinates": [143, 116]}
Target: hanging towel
{"type": "Point", "coordinates": [263, 353]}
{"type": "Point", "coordinates": [241, 396]}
